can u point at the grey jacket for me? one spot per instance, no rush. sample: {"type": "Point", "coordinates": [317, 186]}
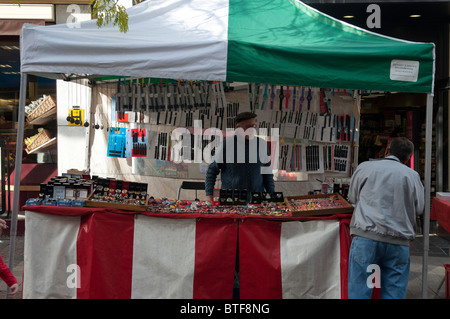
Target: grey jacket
{"type": "Point", "coordinates": [388, 197]}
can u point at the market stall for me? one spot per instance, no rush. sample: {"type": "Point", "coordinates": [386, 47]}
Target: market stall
{"type": "Point", "coordinates": [244, 41]}
{"type": "Point", "coordinates": [440, 211]}
{"type": "Point", "coordinates": [183, 255]}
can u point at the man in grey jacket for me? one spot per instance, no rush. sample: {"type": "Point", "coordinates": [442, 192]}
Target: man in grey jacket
{"type": "Point", "coordinates": [388, 197]}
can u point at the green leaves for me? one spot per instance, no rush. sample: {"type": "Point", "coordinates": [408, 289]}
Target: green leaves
{"type": "Point", "coordinates": [109, 11]}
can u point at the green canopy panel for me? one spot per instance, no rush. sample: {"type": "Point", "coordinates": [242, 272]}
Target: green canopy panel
{"type": "Point", "coordinates": [268, 41]}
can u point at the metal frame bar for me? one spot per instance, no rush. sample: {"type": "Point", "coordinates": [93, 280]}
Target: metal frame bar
{"type": "Point", "coordinates": [18, 169]}
{"type": "Point", "coordinates": [426, 219]}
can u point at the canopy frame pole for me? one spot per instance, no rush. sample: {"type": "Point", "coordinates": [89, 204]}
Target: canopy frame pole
{"type": "Point", "coordinates": [18, 170]}
{"type": "Point", "coordinates": [426, 216]}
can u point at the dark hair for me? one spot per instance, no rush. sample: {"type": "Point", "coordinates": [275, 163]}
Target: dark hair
{"type": "Point", "coordinates": [402, 148]}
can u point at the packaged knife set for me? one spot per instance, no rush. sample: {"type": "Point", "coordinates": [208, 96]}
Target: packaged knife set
{"type": "Point", "coordinates": [137, 141]}
{"type": "Point", "coordinates": [327, 128]}
{"type": "Point", "coordinates": [209, 118]}
{"type": "Point", "coordinates": [341, 158]}
{"type": "Point", "coordinates": [123, 142]}
{"type": "Point", "coordinates": [301, 158]}
{"type": "Point", "coordinates": [274, 97]}
{"type": "Point", "coordinates": [293, 98]}
{"type": "Point", "coordinates": [135, 99]}
{"type": "Point", "coordinates": [117, 141]}
{"type": "Point", "coordinates": [161, 149]}
{"type": "Point", "coordinates": [314, 158]}
{"type": "Point", "coordinates": [344, 127]}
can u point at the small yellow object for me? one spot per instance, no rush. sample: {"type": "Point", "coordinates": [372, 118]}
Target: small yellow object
{"type": "Point", "coordinates": [78, 116]}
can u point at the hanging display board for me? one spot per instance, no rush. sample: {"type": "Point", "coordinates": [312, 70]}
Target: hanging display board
{"type": "Point", "coordinates": [310, 130]}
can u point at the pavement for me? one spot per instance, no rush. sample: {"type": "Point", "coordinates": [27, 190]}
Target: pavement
{"type": "Point", "coordinates": [438, 255]}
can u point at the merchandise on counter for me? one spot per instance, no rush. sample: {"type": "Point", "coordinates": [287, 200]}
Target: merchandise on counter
{"type": "Point", "coordinates": [118, 194]}
{"type": "Point", "coordinates": [315, 205]}
{"type": "Point", "coordinates": [443, 196]}
{"type": "Point", "coordinates": [259, 197]}
{"type": "Point", "coordinates": [63, 191]}
{"type": "Point", "coordinates": [233, 197]}
{"type": "Point", "coordinates": [34, 202]}
{"type": "Point", "coordinates": [166, 206]}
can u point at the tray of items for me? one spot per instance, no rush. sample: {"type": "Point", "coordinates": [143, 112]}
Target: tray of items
{"type": "Point", "coordinates": [318, 205]}
{"type": "Point", "coordinates": [231, 202]}
{"type": "Point", "coordinates": [118, 194]}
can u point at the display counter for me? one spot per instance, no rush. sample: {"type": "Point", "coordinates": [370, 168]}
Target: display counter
{"type": "Point", "coordinates": [440, 211]}
{"type": "Point", "coordinates": [90, 252]}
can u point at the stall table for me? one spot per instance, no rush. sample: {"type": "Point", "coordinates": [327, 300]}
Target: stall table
{"type": "Point", "coordinates": [440, 211]}
{"type": "Point", "coordinates": [88, 252]}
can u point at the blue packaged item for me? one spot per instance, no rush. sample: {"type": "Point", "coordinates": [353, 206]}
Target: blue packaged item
{"type": "Point", "coordinates": [33, 202]}
{"type": "Point", "coordinates": [64, 202]}
{"type": "Point", "coordinates": [77, 203]}
{"type": "Point", "coordinates": [116, 142]}
{"type": "Point", "coordinates": [49, 202]}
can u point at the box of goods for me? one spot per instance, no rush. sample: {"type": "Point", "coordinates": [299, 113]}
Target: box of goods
{"type": "Point", "coordinates": [118, 194]}
{"type": "Point", "coordinates": [443, 196]}
{"type": "Point", "coordinates": [318, 205]}
{"type": "Point", "coordinates": [40, 107]}
{"type": "Point", "coordinates": [37, 140]}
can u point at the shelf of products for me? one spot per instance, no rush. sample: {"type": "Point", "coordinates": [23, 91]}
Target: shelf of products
{"type": "Point", "coordinates": [39, 142]}
{"type": "Point", "coordinates": [41, 112]}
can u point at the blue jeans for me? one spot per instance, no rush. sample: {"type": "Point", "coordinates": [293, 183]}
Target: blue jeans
{"type": "Point", "coordinates": [367, 259]}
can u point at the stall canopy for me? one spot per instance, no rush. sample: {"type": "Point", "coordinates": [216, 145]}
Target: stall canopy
{"type": "Point", "coordinates": [270, 41]}
{"type": "Point", "coordinates": [260, 41]}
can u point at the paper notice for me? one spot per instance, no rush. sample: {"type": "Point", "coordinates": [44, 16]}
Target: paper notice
{"type": "Point", "coordinates": [403, 70]}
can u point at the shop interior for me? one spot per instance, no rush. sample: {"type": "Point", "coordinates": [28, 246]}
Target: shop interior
{"type": "Point", "coordinates": [38, 165]}
{"type": "Point", "coordinates": [385, 115]}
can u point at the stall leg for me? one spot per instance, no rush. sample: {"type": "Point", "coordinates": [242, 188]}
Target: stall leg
{"type": "Point", "coordinates": [426, 217]}
{"type": "Point", "coordinates": [18, 166]}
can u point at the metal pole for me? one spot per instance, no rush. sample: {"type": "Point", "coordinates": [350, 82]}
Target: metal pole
{"type": "Point", "coordinates": [439, 143]}
{"type": "Point", "coordinates": [9, 179]}
{"type": "Point", "coordinates": [18, 169]}
{"type": "Point", "coordinates": [2, 162]}
{"type": "Point", "coordinates": [426, 217]}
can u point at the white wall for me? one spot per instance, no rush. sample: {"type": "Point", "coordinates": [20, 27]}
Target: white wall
{"type": "Point", "coordinates": [72, 146]}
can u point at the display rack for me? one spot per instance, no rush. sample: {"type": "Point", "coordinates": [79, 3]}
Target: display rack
{"type": "Point", "coordinates": [41, 112]}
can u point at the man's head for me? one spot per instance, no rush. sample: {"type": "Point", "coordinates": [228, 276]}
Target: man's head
{"type": "Point", "coordinates": [245, 121]}
{"type": "Point", "coordinates": [402, 148]}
